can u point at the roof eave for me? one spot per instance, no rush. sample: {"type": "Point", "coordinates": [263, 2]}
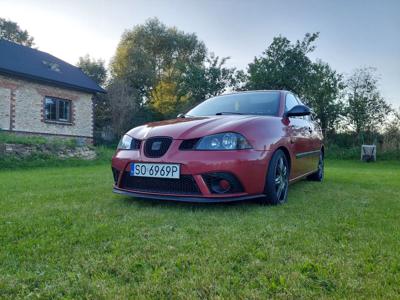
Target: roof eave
{"type": "Point", "coordinates": [52, 82]}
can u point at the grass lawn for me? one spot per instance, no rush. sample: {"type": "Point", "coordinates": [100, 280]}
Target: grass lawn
{"type": "Point", "coordinates": [64, 234]}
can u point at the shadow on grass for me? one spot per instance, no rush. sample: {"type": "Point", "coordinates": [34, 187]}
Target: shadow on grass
{"type": "Point", "coordinates": [170, 204]}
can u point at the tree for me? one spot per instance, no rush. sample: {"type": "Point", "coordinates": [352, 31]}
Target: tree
{"type": "Point", "coordinates": [123, 105]}
{"type": "Point", "coordinates": [153, 52]}
{"type": "Point", "coordinates": [366, 109]}
{"type": "Point", "coordinates": [10, 31]}
{"type": "Point", "coordinates": [283, 65]}
{"type": "Point", "coordinates": [169, 68]}
{"type": "Point", "coordinates": [199, 82]}
{"type": "Point", "coordinates": [323, 95]}
{"type": "Point", "coordinates": [392, 131]}
{"type": "Point", "coordinates": [286, 65]}
{"type": "Point", "coordinates": [97, 71]}
{"type": "Point", "coordinates": [93, 68]}
{"type": "Point", "coordinates": [150, 59]}
{"type": "Point", "coordinates": [165, 100]}
{"type": "Point", "coordinates": [195, 83]}
{"type": "Point", "coordinates": [208, 79]}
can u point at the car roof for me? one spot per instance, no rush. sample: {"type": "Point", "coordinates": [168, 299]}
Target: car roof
{"type": "Point", "coordinates": [256, 91]}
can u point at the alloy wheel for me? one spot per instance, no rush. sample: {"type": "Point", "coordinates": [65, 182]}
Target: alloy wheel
{"type": "Point", "coordinates": [281, 180]}
{"type": "Point", "coordinates": [321, 167]}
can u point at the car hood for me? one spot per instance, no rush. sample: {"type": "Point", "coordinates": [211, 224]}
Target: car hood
{"type": "Point", "coordinates": [188, 128]}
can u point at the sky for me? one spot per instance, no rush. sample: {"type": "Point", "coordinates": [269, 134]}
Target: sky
{"type": "Point", "coordinates": [353, 34]}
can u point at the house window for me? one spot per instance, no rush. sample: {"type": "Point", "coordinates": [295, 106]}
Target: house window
{"type": "Point", "coordinates": [57, 110]}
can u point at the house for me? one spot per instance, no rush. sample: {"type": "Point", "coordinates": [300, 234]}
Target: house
{"type": "Point", "coordinates": [43, 95]}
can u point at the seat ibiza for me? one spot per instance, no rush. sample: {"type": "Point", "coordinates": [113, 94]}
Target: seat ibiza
{"type": "Point", "coordinates": [231, 147]}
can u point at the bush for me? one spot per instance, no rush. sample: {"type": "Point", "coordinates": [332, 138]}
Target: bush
{"type": "Point", "coordinates": [57, 143]}
{"type": "Point", "coordinates": [10, 138]}
{"type": "Point", "coordinates": [348, 146]}
{"type": "Point", "coordinates": [49, 155]}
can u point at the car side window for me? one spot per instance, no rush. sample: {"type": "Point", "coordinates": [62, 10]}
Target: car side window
{"type": "Point", "coordinates": [307, 118]}
{"type": "Point", "coordinates": [291, 101]}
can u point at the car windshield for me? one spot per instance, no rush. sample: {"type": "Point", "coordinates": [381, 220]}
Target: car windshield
{"type": "Point", "coordinates": [249, 103]}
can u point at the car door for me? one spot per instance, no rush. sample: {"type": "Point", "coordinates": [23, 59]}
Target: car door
{"type": "Point", "coordinates": [314, 140]}
{"type": "Point", "coordinates": [301, 143]}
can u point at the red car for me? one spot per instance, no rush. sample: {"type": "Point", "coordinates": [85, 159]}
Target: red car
{"type": "Point", "coordinates": [231, 147]}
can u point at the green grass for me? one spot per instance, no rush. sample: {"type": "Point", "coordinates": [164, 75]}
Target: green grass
{"type": "Point", "coordinates": [11, 138]}
{"type": "Point", "coordinates": [63, 234]}
{"type": "Point", "coordinates": [6, 137]}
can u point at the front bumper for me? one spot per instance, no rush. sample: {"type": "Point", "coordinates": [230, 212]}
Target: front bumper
{"type": "Point", "coordinates": [248, 166]}
{"type": "Point", "coordinates": [197, 199]}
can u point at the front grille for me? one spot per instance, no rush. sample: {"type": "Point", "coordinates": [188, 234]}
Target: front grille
{"type": "Point", "coordinates": [185, 185]}
{"type": "Point", "coordinates": [188, 144]}
{"type": "Point", "coordinates": [157, 146]}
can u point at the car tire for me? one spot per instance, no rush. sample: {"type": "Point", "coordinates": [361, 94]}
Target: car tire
{"type": "Point", "coordinates": [277, 180]}
{"type": "Point", "coordinates": [319, 175]}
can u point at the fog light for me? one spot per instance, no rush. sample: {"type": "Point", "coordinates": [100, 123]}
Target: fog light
{"type": "Point", "coordinates": [220, 186]}
{"type": "Point", "coordinates": [224, 185]}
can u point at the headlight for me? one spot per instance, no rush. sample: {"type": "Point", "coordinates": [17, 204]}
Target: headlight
{"type": "Point", "coordinates": [128, 143]}
{"type": "Point", "coordinates": [223, 141]}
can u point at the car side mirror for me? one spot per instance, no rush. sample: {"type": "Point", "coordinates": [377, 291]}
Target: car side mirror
{"type": "Point", "coordinates": [297, 111]}
{"type": "Point", "coordinates": [181, 116]}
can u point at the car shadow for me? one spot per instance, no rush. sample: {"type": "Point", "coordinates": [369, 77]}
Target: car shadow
{"type": "Point", "coordinates": [186, 205]}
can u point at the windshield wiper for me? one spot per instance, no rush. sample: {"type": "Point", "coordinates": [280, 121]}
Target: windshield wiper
{"type": "Point", "coordinates": [228, 113]}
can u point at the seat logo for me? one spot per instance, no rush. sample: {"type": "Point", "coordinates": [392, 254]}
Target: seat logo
{"type": "Point", "coordinates": [156, 146]}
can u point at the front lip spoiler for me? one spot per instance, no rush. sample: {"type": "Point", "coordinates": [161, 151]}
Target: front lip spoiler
{"type": "Point", "coordinates": [186, 199]}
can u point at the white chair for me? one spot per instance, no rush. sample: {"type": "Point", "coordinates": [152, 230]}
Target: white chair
{"type": "Point", "coordinates": [368, 153]}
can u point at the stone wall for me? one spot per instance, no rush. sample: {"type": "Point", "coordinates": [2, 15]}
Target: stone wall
{"type": "Point", "coordinates": [25, 101]}
{"type": "Point", "coordinates": [60, 151]}
{"type": "Point", "coordinates": [5, 96]}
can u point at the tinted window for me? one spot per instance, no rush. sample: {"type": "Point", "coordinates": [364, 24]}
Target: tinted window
{"type": "Point", "coordinates": [50, 109]}
{"type": "Point", "coordinates": [63, 110]}
{"type": "Point", "coordinates": [57, 109]}
{"type": "Point", "coordinates": [299, 100]}
{"type": "Point", "coordinates": [291, 101]}
{"type": "Point", "coordinates": [254, 103]}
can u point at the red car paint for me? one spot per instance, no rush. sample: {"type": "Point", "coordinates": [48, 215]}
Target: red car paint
{"type": "Point", "coordinates": [298, 137]}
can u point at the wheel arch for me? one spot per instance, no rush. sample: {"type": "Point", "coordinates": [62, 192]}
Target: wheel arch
{"type": "Point", "coordinates": [287, 154]}
{"type": "Point", "coordinates": [267, 185]}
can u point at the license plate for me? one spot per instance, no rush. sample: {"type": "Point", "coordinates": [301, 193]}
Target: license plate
{"type": "Point", "coordinates": [171, 171]}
